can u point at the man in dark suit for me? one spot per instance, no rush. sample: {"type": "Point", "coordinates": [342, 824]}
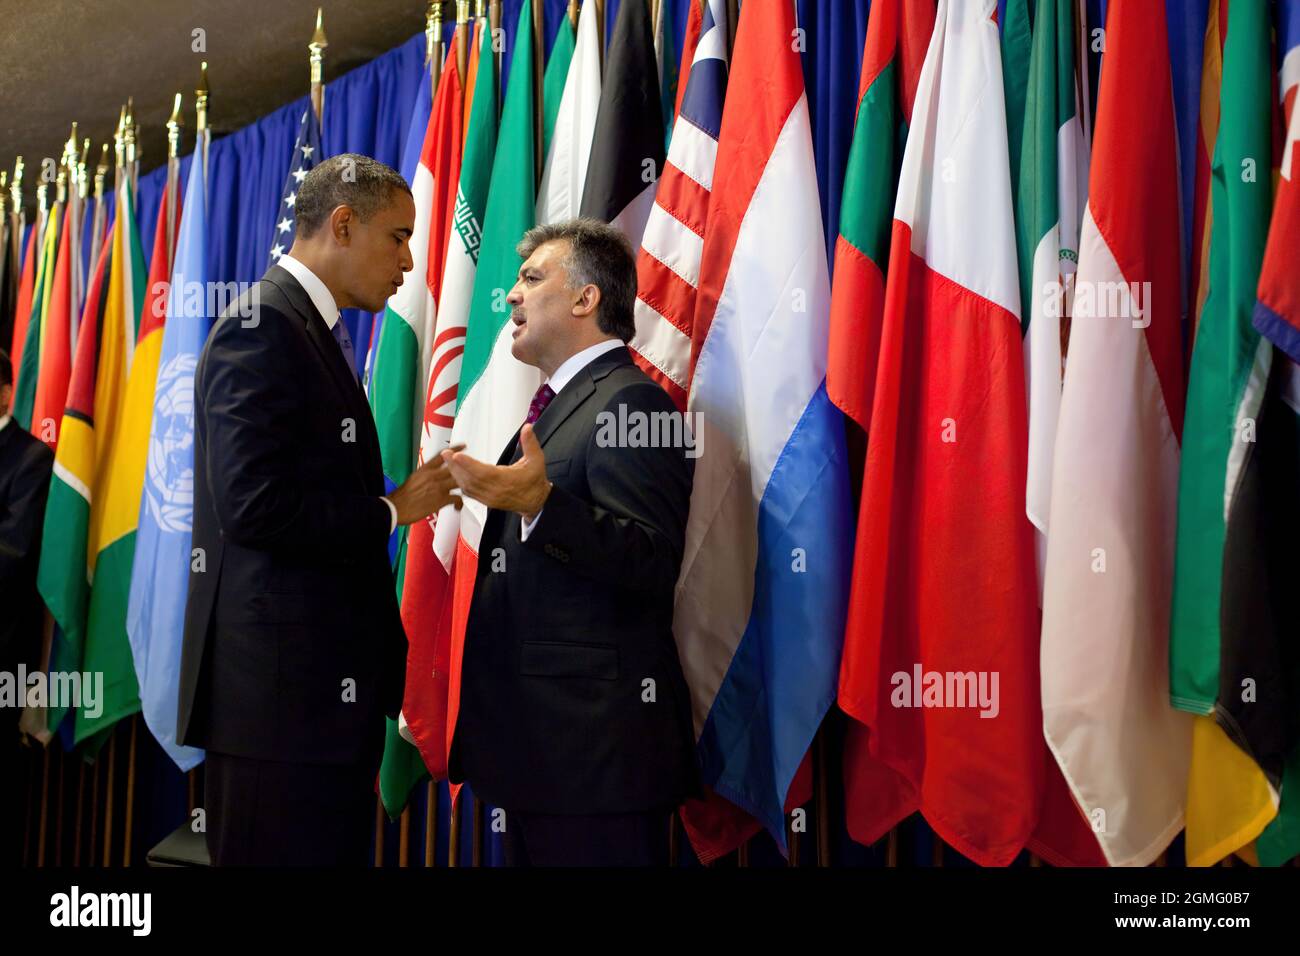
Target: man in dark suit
{"type": "Point", "coordinates": [25, 464]}
{"type": "Point", "coordinates": [574, 715]}
{"type": "Point", "coordinates": [294, 649]}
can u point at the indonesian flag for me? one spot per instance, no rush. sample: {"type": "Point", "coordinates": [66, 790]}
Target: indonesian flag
{"type": "Point", "coordinates": [940, 655]}
{"type": "Point", "coordinates": [1110, 547]}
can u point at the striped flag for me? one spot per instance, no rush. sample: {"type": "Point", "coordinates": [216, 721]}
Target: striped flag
{"type": "Point", "coordinates": [123, 403]}
{"type": "Point", "coordinates": [759, 607]}
{"type": "Point", "coordinates": [1207, 131]}
{"type": "Point", "coordinates": [627, 149]}
{"type": "Point", "coordinates": [1052, 193]}
{"type": "Point", "coordinates": [556, 78]}
{"type": "Point", "coordinates": [1110, 550]}
{"type": "Point", "coordinates": [56, 344]}
{"type": "Point", "coordinates": [559, 195]}
{"type": "Point", "coordinates": [23, 301]}
{"type": "Point", "coordinates": [1229, 799]}
{"type": "Point", "coordinates": [63, 578]}
{"type": "Point", "coordinates": [27, 368]}
{"type": "Point", "coordinates": [1050, 199]}
{"type": "Point", "coordinates": [939, 666]}
{"type": "Point", "coordinates": [898, 34]}
{"type": "Point", "coordinates": [306, 154]}
{"type": "Point", "coordinates": [668, 264]}
{"type": "Point", "coordinates": [427, 585]}
{"type": "Point", "coordinates": [1261, 564]}
{"type": "Point", "coordinates": [405, 351]}
{"type": "Point", "coordinates": [155, 622]}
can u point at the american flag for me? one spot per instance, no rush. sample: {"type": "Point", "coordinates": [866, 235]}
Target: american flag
{"type": "Point", "coordinates": [305, 155]}
{"type": "Point", "coordinates": [668, 266]}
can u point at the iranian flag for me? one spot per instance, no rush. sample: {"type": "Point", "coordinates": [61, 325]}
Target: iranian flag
{"type": "Point", "coordinates": [940, 661]}
{"type": "Point", "coordinates": [123, 413]}
{"type": "Point", "coordinates": [407, 345]}
{"type": "Point", "coordinates": [1110, 547]}
{"type": "Point", "coordinates": [495, 387]}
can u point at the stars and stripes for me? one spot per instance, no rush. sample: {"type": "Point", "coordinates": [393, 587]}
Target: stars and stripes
{"type": "Point", "coordinates": [668, 266]}
{"type": "Point", "coordinates": [306, 154]}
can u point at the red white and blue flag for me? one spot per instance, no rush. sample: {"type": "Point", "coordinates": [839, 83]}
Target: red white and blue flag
{"type": "Point", "coordinates": [764, 583]}
{"type": "Point", "coordinates": [668, 266]}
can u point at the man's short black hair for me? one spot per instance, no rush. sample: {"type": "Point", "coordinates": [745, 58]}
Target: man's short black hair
{"type": "Point", "coordinates": [350, 179]}
{"type": "Point", "coordinates": [599, 255]}
{"type": "Point", "coordinates": [6, 369]}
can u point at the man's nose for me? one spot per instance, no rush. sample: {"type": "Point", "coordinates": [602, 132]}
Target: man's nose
{"type": "Point", "coordinates": [515, 297]}
{"type": "Point", "coordinates": [408, 261]}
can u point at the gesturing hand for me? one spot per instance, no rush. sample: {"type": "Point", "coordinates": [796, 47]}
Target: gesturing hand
{"type": "Point", "coordinates": [520, 487]}
{"type": "Point", "coordinates": [427, 490]}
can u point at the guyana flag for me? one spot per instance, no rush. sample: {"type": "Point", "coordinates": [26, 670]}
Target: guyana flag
{"type": "Point", "coordinates": [123, 411]}
{"type": "Point", "coordinates": [898, 34]}
{"type": "Point", "coordinates": [1229, 799]}
{"type": "Point", "coordinates": [63, 578]}
{"type": "Point", "coordinates": [27, 369]}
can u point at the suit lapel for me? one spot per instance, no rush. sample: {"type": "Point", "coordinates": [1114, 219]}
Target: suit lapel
{"type": "Point", "coordinates": [327, 349]}
{"type": "Point", "coordinates": [571, 398]}
{"type": "Point", "coordinates": [318, 332]}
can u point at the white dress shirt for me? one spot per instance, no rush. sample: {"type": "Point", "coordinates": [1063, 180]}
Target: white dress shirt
{"type": "Point", "coordinates": [4, 421]}
{"type": "Point", "coordinates": [320, 297]}
{"type": "Point", "coordinates": [563, 376]}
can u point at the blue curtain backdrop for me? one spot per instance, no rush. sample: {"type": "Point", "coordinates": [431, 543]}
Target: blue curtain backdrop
{"type": "Point", "coordinates": [368, 111]}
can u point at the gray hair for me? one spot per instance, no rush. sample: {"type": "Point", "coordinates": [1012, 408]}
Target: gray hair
{"type": "Point", "coordinates": [348, 179]}
{"type": "Point", "coordinates": [599, 255]}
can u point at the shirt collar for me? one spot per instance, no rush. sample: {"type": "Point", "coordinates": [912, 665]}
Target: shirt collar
{"type": "Point", "coordinates": [4, 421]}
{"type": "Point", "coordinates": [577, 362]}
{"type": "Point", "coordinates": [314, 287]}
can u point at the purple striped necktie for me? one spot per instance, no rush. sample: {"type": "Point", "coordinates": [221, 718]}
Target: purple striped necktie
{"type": "Point", "coordinates": [538, 405]}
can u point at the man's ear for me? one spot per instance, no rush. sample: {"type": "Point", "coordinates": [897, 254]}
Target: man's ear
{"type": "Point", "coordinates": [588, 301]}
{"type": "Point", "coordinates": [342, 222]}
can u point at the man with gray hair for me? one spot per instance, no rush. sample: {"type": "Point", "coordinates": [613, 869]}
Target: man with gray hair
{"type": "Point", "coordinates": [294, 649]}
{"type": "Point", "coordinates": [574, 714]}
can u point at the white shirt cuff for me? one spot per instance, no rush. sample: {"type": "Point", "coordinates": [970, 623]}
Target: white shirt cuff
{"type": "Point", "coordinates": [393, 509]}
{"type": "Point", "coordinates": [526, 527]}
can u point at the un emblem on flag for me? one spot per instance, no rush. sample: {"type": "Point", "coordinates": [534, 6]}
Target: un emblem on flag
{"type": "Point", "coordinates": [169, 477]}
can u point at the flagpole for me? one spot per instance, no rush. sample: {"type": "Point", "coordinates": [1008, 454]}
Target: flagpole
{"type": "Point", "coordinates": [201, 132]}
{"type": "Point", "coordinates": [174, 123]}
{"type": "Point", "coordinates": [430, 806]}
{"type": "Point", "coordinates": [539, 107]}
{"type": "Point", "coordinates": [97, 224]}
{"type": "Point", "coordinates": [573, 14]}
{"type": "Point", "coordinates": [600, 26]}
{"type": "Point", "coordinates": [435, 53]}
{"type": "Point", "coordinates": [494, 24]}
{"type": "Point", "coordinates": [316, 56]}
{"type": "Point", "coordinates": [462, 39]}
{"type": "Point", "coordinates": [78, 281]}
{"type": "Point", "coordinates": [130, 793]}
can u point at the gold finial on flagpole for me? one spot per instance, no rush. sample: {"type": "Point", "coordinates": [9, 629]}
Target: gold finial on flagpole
{"type": "Point", "coordinates": [83, 179]}
{"type": "Point", "coordinates": [201, 99]}
{"type": "Point", "coordinates": [101, 171]}
{"type": "Point", "coordinates": [174, 124]}
{"type": "Point", "coordinates": [316, 55]}
{"type": "Point", "coordinates": [462, 38]}
{"type": "Point", "coordinates": [16, 186]}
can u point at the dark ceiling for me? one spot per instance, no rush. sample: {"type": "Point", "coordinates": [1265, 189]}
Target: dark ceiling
{"type": "Point", "coordinates": [62, 61]}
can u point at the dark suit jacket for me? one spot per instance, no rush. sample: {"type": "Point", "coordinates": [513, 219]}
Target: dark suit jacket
{"type": "Point", "coordinates": [297, 595]}
{"type": "Point", "coordinates": [25, 464]}
{"type": "Point", "coordinates": [552, 717]}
